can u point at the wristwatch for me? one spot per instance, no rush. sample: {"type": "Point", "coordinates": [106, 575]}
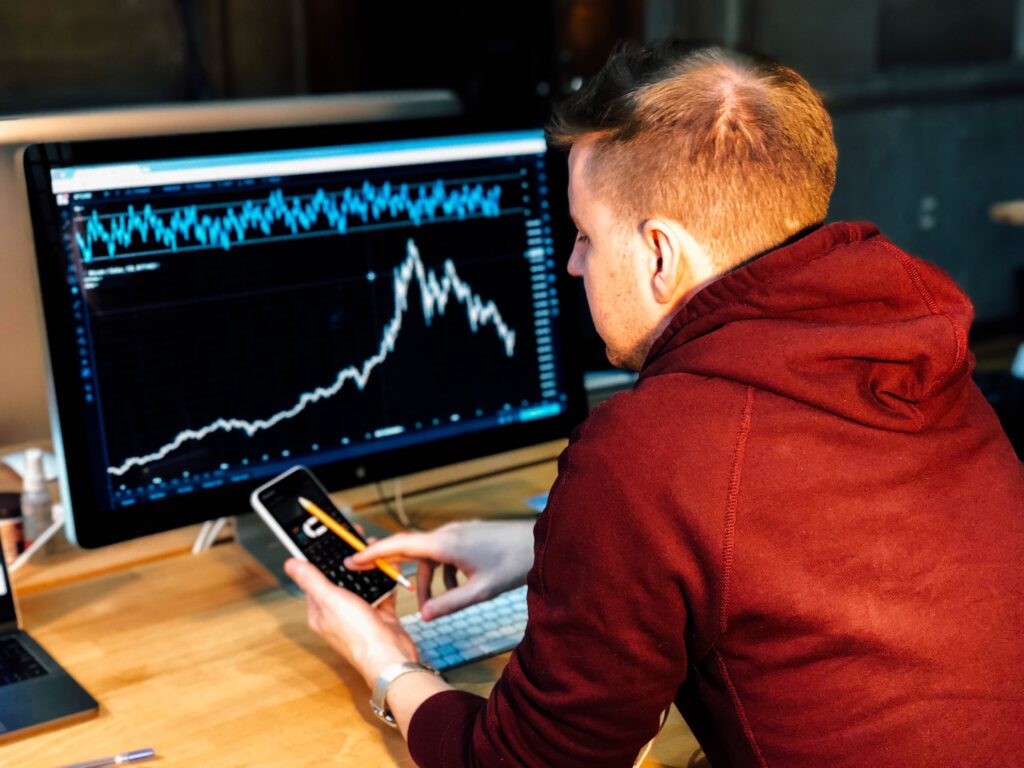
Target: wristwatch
{"type": "Point", "coordinates": [378, 701]}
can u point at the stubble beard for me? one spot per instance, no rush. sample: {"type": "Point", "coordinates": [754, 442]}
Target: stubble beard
{"type": "Point", "coordinates": [630, 360]}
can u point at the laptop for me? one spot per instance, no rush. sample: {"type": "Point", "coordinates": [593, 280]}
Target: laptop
{"type": "Point", "coordinates": [35, 691]}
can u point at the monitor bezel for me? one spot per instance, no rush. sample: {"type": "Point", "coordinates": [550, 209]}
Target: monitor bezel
{"type": "Point", "coordinates": [91, 527]}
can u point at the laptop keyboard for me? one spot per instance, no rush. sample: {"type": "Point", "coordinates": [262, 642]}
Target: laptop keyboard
{"type": "Point", "coordinates": [474, 633]}
{"type": "Point", "coordinates": [16, 663]}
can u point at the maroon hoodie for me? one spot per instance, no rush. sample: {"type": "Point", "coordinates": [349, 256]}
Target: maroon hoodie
{"type": "Point", "coordinates": [803, 525]}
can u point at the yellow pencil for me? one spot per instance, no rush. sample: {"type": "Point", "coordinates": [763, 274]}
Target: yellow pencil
{"type": "Point", "coordinates": [351, 540]}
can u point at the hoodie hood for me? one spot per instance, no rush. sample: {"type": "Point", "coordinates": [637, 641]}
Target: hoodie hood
{"type": "Point", "coordinates": [840, 320]}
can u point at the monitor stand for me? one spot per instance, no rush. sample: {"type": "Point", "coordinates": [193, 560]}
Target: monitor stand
{"type": "Point", "coordinates": [256, 538]}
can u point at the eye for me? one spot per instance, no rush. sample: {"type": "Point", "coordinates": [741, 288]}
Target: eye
{"type": "Point", "coordinates": [581, 238]}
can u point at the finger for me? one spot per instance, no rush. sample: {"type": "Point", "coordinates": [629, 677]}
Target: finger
{"type": "Point", "coordinates": [351, 564]}
{"type": "Point", "coordinates": [424, 577]}
{"type": "Point", "coordinates": [450, 581]}
{"type": "Point", "coordinates": [400, 546]}
{"type": "Point", "coordinates": [451, 601]}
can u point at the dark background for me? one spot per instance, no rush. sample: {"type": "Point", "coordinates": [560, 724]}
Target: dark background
{"type": "Point", "coordinates": [927, 96]}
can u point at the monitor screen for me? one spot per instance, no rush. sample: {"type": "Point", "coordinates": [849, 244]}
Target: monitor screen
{"type": "Point", "coordinates": [367, 308]}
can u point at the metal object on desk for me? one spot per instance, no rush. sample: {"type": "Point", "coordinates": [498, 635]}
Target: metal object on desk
{"type": "Point", "coordinates": [135, 756]}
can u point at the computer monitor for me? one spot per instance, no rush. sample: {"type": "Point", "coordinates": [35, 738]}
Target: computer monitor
{"type": "Point", "coordinates": [24, 412]}
{"type": "Point", "coordinates": [368, 300]}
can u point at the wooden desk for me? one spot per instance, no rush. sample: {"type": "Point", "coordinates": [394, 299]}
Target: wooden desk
{"type": "Point", "coordinates": [207, 660]}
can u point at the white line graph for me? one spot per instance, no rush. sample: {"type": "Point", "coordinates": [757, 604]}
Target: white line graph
{"type": "Point", "coordinates": [435, 293]}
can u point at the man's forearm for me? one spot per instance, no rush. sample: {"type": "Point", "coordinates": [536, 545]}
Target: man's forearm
{"type": "Point", "coordinates": [409, 691]}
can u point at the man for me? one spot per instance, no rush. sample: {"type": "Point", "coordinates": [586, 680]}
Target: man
{"type": "Point", "coordinates": [802, 525]}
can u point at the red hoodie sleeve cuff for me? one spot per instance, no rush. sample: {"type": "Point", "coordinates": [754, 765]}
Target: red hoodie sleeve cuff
{"type": "Point", "coordinates": [442, 727]}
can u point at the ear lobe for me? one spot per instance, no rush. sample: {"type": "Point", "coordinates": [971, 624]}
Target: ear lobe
{"type": "Point", "coordinates": [668, 281]}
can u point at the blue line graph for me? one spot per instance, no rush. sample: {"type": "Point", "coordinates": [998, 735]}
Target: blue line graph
{"type": "Point", "coordinates": [250, 221]}
{"type": "Point", "coordinates": [435, 292]}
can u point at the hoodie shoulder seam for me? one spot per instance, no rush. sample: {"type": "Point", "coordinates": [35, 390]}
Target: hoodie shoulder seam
{"type": "Point", "coordinates": [731, 504]}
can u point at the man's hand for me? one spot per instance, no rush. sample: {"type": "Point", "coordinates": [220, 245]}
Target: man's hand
{"type": "Point", "coordinates": [369, 638]}
{"type": "Point", "coordinates": [495, 556]}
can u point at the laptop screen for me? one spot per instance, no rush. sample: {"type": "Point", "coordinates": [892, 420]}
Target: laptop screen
{"type": "Point", "coordinates": [7, 613]}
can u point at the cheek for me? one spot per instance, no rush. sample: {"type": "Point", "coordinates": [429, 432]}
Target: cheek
{"type": "Point", "coordinates": [602, 298]}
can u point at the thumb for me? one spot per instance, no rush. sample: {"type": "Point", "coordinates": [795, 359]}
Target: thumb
{"type": "Point", "coordinates": [310, 579]}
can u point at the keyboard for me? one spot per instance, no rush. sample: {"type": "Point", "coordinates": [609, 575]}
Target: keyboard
{"type": "Point", "coordinates": [16, 663]}
{"type": "Point", "coordinates": [474, 633]}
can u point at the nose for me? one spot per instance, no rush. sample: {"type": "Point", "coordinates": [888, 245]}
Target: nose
{"type": "Point", "coordinates": [575, 265]}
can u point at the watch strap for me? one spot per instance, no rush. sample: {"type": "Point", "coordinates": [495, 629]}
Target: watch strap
{"type": "Point", "coordinates": [378, 699]}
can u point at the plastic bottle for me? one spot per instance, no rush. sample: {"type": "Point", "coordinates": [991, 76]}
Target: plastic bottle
{"type": "Point", "coordinates": [36, 502]}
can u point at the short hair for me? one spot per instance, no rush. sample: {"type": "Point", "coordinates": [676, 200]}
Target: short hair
{"type": "Point", "coordinates": [740, 151]}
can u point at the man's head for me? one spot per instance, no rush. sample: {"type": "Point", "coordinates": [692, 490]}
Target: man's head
{"type": "Point", "coordinates": [682, 165]}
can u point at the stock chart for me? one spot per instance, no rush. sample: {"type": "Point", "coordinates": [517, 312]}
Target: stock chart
{"type": "Point", "coordinates": [232, 326]}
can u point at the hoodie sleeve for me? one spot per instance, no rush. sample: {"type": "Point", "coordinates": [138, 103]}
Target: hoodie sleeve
{"type": "Point", "coordinates": [604, 649]}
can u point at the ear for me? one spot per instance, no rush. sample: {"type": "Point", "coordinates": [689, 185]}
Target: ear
{"type": "Point", "coordinates": [668, 265]}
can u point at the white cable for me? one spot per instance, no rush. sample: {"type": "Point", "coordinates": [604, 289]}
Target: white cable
{"type": "Point", "coordinates": [208, 535]}
{"type": "Point", "coordinates": [45, 536]}
{"type": "Point", "coordinates": [200, 541]}
{"type": "Point", "coordinates": [215, 530]}
{"type": "Point", "coordinates": [403, 518]}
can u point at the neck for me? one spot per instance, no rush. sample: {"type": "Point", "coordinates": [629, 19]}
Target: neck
{"type": "Point", "coordinates": [788, 241]}
{"type": "Point", "coordinates": [709, 277]}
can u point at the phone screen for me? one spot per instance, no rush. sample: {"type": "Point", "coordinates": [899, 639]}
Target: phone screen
{"type": "Point", "coordinates": [317, 543]}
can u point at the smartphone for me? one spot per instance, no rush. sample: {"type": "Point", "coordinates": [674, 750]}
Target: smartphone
{"type": "Point", "coordinates": [305, 537]}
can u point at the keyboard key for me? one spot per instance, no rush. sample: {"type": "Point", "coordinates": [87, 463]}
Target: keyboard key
{"type": "Point", "coordinates": [473, 633]}
{"type": "Point", "coordinates": [16, 663]}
